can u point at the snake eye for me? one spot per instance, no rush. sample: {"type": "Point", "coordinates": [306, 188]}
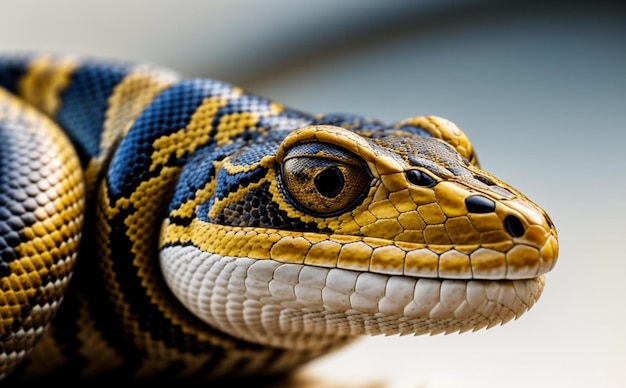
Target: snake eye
{"type": "Point", "coordinates": [330, 182]}
{"type": "Point", "coordinates": [420, 178]}
{"type": "Point", "coordinates": [323, 180]}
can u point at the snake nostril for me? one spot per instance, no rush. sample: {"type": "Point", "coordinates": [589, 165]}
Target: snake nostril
{"type": "Point", "coordinates": [479, 204]}
{"type": "Point", "coordinates": [514, 226]}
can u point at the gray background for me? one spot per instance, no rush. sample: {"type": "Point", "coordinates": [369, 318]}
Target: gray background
{"type": "Point", "coordinates": [540, 88]}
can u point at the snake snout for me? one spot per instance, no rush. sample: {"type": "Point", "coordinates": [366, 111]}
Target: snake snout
{"type": "Point", "coordinates": [480, 204]}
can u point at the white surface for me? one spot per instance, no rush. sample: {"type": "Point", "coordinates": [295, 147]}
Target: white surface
{"type": "Point", "coordinates": [540, 92]}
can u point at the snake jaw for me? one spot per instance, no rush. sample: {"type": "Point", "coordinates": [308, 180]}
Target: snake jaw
{"type": "Point", "coordinates": [290, 305]}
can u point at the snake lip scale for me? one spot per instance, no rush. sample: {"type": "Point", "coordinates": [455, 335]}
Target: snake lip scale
{"type": "Point", "coordinates": [157, 226]}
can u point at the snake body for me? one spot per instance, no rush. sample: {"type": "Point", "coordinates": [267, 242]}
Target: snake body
{"type": "Point", "coordinates": [156, 226]}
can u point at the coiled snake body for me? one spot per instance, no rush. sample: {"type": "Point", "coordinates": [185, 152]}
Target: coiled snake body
{"type": "Point", "coordinates": [209, 232]}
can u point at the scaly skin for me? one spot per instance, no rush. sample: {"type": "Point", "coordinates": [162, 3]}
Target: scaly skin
{"type": "Point", "coordinates": [227, 235]}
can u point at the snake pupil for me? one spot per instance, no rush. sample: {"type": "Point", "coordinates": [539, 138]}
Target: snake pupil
{"type": "Point", "coordinates": [329, 182]}
{"type": "Point", "coordinates": [420, 178]}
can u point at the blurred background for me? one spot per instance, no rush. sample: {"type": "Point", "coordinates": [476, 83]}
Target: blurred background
{"type": "Point", "coordinates": [539, 87]}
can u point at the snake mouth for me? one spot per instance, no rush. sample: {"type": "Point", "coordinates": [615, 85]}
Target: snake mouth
{"type": "Point", "coordinates": [388, 282]}
{"type": "Point", "coordinates": [287, 305]}
{"type": "Point", "coordinates": [489, 261]}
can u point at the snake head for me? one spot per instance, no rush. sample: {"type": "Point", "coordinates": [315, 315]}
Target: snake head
{"type": "Point", "coordinates": [419, 201]}
{"type": "Point", "coordinates": [340, 228]}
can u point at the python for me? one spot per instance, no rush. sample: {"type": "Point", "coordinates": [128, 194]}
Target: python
{"type": "Point", "coordinates": [153, 225]}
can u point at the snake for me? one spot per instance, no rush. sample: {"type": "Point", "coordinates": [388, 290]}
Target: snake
{"type": "Point", "coordinates": [155, 226]}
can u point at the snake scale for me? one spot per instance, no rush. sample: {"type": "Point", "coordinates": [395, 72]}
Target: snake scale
{"type": "Point", "coordinates": [157, 226]}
